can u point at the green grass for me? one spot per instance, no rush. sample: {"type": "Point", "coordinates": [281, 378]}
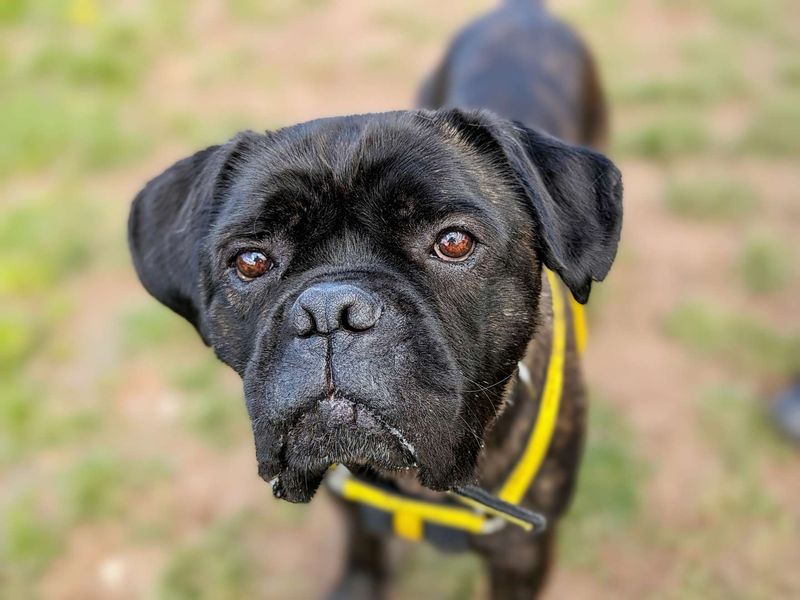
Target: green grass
{"type": "Point", "coordinates": [667, 137]}
{"type": "Point", "coordinates": [100, 485]}
{"type": "Point", "coordinates": [28, 421]}
{"type": "Point", "coordinates": [57, 126]}
{"type": "Point", "coordinates": [740, 340]}
{"type": "Point", "coordinates": [775, 129]}
{"type": "Point", "coordinates": [18, 335]}
{"type": "Point", "coordinates": [765, 264]}
{"type": "Point", "coordinates": [42, 241]}
{"type": "Point", "coordinates": [687, 89]}
{"type": "Point", "coordinates": [428, 573]}
{"type": "Point", "coordinates": [21, 416]}
{"type": "Point", "coordinates": [153, 325]}
{"type": "Point", "coordinates": [110, 58]}
{"type": "Point", "coordinates": [411, 26]}
{"type": "Point", "coordinates": [788, 74]}
{"type": "Point", "coordinates": [730, 415]}
{"type": "Point", "coordinates": [216, 567]}
{"type": "Point", "coordinates": [12, 11]}
{"type": "Point", "coordinates": [738, 15]}
{"type": "Point", "coordinates": [610, 485]}
{"type": "Point", "coordinates": [710, 199]}
{"type": "Point", "coordinates": [29, 541]}
{"type": "Point", "coordinates": [211, 411]}
{"type": "Point", "coordinates": [275, 12]}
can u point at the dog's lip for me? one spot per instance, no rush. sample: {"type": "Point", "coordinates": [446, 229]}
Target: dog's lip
{"type": "Point", "coordinates": [341, 405]}
{"type": "Point", "coordinates": [295, 475]}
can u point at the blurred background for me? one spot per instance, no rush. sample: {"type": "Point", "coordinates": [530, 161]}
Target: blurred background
{"type": "Point", "coordinates": [126, 461]}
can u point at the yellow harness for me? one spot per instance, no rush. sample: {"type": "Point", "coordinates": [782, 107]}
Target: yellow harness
{"type": "Point", "coordinates": [412, 518]}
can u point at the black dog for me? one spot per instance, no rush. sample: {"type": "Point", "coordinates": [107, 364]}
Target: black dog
{"type": "Point", "coordinates": [375, 280]}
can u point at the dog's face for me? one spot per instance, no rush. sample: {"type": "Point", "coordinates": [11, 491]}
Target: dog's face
{"type": "Point", "coordinates": [374, 279]}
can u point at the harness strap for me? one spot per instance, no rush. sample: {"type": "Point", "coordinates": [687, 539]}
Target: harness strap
{"type": "Point", "coordinates": [539, 442]}
{"type": "Point", "coordinates": [409, 515]}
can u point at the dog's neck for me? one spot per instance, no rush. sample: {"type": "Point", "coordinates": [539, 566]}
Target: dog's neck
{"type": "Point", "coordinates": [510, 431]}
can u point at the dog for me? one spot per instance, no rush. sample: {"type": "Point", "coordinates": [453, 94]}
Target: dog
{"type": "Point", "coordinates": [376, 280]}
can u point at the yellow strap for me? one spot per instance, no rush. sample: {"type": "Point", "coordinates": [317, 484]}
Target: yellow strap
{"type": "Point", "coordinates": [579, 324]}
{"type": "Point", "coordinates": [408, 526]}
{"type": "Point", "coordinates": [449, 516]}
{"type": "Point", "coordinates": [525, 470]}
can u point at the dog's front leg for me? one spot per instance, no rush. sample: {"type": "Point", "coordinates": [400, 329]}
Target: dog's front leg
{"type": "Point", "coordinates": [365, 569]}
{"type": "Point", "coordinates": [518, 569]}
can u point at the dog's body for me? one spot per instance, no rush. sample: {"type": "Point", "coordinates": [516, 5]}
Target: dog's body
{"type": "Point", "coordinates": [525, 65]}
{"type": "Point", "coordinates": [375, 280]}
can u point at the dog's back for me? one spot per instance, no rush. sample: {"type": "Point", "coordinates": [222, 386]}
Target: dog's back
{"type": "Point", "coordinates": [524, 64]}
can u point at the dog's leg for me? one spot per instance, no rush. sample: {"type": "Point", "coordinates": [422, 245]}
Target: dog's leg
{"type": "Point", "coordinates": [365, 566]}
{"type": "Point", "coordinates": [519, 569]}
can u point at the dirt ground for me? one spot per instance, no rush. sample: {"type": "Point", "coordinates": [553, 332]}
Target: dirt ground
{"type": "Point", "coordinates": [126, 464]}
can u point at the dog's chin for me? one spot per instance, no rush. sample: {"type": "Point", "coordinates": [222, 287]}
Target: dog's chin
{"type": "Point", "coordinates": [336, 431]}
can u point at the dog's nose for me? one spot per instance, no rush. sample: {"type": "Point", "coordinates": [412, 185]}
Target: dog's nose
{"type": "Point", "coordinates": [328, 307]}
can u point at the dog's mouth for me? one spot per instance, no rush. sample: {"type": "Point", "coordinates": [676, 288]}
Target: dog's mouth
{"type": "Point", "coordinates": [337, 430]}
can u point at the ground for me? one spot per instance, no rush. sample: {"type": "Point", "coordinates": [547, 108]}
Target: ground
{"type": "Point", "coordinates": [126, 464]}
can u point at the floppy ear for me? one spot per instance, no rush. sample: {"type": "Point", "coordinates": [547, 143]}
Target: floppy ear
{"type": "Point", "coordinates": [575, 195]}
{"type": "Point", "coordinates": [169, 219]}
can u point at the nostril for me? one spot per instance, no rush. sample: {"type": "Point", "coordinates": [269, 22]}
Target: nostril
{"type": "Point", "coordinates": [302, 321]}
{"type": "Point", "coordinates": [361, 315]}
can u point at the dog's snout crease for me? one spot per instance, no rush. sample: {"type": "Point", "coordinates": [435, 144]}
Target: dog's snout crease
{"type": "Point", "coordinates": [328, 307]}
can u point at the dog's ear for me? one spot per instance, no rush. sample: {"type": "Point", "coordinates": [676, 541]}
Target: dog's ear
{"type": "Point", "coordinates": [169, 219]}
{"type": "Point", "coordinates": [575, 194]}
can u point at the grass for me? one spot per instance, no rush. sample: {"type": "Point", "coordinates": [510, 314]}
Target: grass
{"type": "Point", "coordinates": [216, 567]}
{"type": "Point", "coordinates": [427, 573]}
{"type": "Point", "coordinates": [730, 414]}
{"type": "Point", "coordinates": [706, 77]}
{"type": "Point", "coordinates": [211, 411]}
{"type": "Point", "coordinates": [738, 15]}
{"type": "Point", "coordinates": [21, 418]}
{"type": "Point", "coordinates": [29, 541]}
{"type": "Point", "coordinates": [153, 325]}
{"type": "Point", "coordinates": [765, 264]}
{"type": "Point", "coordinates": [411, 26]}
{"type": "Point", "coordinates": [100, 485]}
{"type": "Point", "coordinates": [679, 134]}
{"type": "Point", "coordinates": [18, 336]}
{"type": "Point", "coordinates": [709, 199]}
{"type": "Point", "coordinates": [739, 340]}
{"type": "Point", "coordinates": [109, 58]}
{"type": "Point", "coordinates": [28, 421]}
{"type": "Point", "coordinates": [775, 129]}
{"type": "Point", "coordinates": [53, 128]}
{"type": "Point", "coordinates": [42, 241]}
{"type": "Point", "coordinates": [687, 89]}
{"type": "Point", "coordinates": [609, 489]}
{"type": "Point", "coordinates": [274, 13]}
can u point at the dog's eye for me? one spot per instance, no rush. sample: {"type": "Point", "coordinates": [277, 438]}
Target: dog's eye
{"type": "Point", "coordinates": [251, 264]}
{"type": "Point", "coordinates": [454, 245]}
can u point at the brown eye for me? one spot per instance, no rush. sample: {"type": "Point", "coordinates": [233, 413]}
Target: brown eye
{"type": "Point", "coordinates": [251, 264]}
{"type": "Point", "coordinates": [454, 245]}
